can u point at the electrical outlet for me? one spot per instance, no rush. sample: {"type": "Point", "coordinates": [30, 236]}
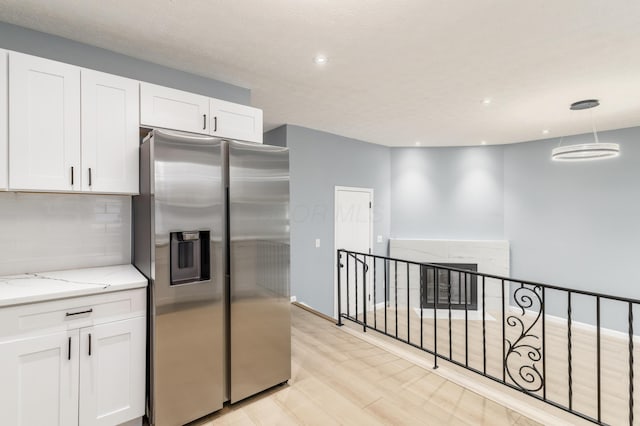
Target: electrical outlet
{"type": "Point", "coordinates": [379, 238]}
{"type": "Point", "coordinates": [317, 242]}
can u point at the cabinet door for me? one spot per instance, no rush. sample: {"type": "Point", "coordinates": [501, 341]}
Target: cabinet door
{"type": "Point", "coordinates": [110, 134]}
{"type": "Point", "coordinates": [44, 124]}
{"type": "Point", "coordinates": [4, 117]}
{"type": "Point", "coordinates": [173, 109]}
{"type": "Point", "coordinates": [235, 121]}
{"type": "Point", "coordinates": [112, 372]}
{"type": "Point", "coordinates": [39, 380]}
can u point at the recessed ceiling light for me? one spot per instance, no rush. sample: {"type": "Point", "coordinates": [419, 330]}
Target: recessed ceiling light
{"type": "Point", "coordinates": [486, 101]}
{"type": "Point", "coordinates": [320, 59]}
{"type": "Point", "coordinates": [545, 132]}
{"type": "Point", "coordinates": [418, 143]}
{"type": "Point", "coordinates": [483, 142]}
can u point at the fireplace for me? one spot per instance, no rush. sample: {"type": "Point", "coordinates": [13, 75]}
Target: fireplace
{"type": "Point", "coordinates": [449, 281]}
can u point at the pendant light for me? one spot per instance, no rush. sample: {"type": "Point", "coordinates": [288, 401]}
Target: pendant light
{"type": "Point", "coordinates": [586, 151]}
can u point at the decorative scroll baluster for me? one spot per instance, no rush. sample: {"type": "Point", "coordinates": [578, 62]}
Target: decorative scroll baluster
{"type": "Point", "coordinates": [525, 351]}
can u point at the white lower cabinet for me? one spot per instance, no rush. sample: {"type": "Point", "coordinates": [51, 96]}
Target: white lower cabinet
{"type": "Point", "coordinates": [112, 384]}
{"type": "Point", "coordinates": [82, 364]}
{"type": "Point", "coordinates": [39, 380]}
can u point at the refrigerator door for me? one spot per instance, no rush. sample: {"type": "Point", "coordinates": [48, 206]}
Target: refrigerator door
{"type": "Point", "coordinates": [185, 190]}
{"type": "Point", "coordinates": [260, 323]}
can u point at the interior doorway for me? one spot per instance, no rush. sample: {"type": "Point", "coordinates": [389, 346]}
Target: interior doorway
{"type": "Point", "coordinates": [353, 231]}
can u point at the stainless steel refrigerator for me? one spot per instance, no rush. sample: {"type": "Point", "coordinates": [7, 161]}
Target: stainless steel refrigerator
{"type": "Point", "coordinates": [211, 232]}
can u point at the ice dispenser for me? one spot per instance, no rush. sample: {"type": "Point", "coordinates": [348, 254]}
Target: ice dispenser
{"type": "Point", "coordinates": [189, 257]}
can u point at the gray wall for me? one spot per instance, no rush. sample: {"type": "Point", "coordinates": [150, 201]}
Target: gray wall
{"type": "Point", "coordinates": [61, 49]}
{"type": "Point", "coordinates": [576, 224]}
{"type": "Point", "coordinates": [447, 193]}
{"type": "Point", "coordinates": [319, 161]}
{"type": "Point", "coordinates": [570, 224]}
{"type": "Point", "coordinates": [277, 136]}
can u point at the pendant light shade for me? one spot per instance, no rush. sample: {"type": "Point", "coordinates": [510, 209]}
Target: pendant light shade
{"type": "Point", "coordinates": [586, 151]}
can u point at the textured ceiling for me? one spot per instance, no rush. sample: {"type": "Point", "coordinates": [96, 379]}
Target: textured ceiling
{"type": "Point", "coordinates": [399, 71]}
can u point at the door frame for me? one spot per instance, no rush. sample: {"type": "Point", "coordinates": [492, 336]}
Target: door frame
{"type": "Point", "coordinates": [338, 188]}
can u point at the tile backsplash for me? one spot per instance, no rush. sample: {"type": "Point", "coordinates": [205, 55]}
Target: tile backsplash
{"type": "Point", "coordinates": [46, 232]}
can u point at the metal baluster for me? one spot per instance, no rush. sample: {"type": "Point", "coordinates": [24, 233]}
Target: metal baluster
{"type": "Point", "coordinates": [569, 350]}
{"type": "Point", "coordinates": [504, 361]}
{"type": "Point", "coordinates": [598, 371]}
{"type": "Point", "coordinates": [375, 315]}
{"type": "Point", "coordinates": [339, 266]}
{"type": "Point", "coordinates": [630, 363]}
{"type": "Point", "coordinates": [355, 288]}
{"type": "Point", "coordinates": [449, 303]}
{"type": "Point", "coordinates": [466, 323]}
{"type": "Point", "coordinates": [408, 306]}
{"type": "Point", "coordinates": [544, 351]}
{"type": "Point", "coordinates": [348, 283]}
{"type": "Point", "coordinates": [396, 293]}
{"type": "Point", "coordinates": [386, 295]}
{"type": "Point", "coordinates": [422, 297]}
{"type": "Point", "coordinates": [364, 293]}
{"type": "Point", "coordinates": [484, 333]}
{"type": "Point", "coordinates": [436, 290]}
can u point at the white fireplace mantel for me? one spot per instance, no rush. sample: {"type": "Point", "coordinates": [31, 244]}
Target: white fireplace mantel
{"type": "Point", "coordinates": [491, 256]}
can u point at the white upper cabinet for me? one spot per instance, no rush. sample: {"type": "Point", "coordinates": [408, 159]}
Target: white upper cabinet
{"type": "Point", "coordinates": [44, 124]}
{"type": "Point", "coordinates": [110, 133]}
{"type": "Point", "coordinates": [173, 109]}
{"type": "Point", "coordinates": [4, 117]}
{"type": "Point", "coordinates": [235, 121]}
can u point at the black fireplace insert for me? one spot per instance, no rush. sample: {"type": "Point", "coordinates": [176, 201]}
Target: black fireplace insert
{"type": "Point", "coordinates": [450, 286]}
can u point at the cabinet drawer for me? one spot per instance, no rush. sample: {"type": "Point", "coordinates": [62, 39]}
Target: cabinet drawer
{"type": "Point", "coordinates": [32, 319]}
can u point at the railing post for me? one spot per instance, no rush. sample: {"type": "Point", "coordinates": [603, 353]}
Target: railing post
{"type": "Point", "coordinates": [339, 266]}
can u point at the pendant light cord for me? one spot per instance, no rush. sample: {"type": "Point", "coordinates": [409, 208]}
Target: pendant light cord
{"type": "Point", "coordinates": [593, 126]}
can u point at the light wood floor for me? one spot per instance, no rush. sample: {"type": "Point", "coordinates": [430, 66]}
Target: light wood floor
{"type": "Point", "coordinates": [614, 356]}
{"type": "Point", "coordinates": [340, 379]}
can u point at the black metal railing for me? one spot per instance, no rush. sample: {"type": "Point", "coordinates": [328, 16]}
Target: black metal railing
{"type": "Point", "coordinates": [507, 335]}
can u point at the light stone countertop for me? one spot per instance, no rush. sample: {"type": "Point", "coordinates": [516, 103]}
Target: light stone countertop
{"type": "Point", "coordinates": [44, 286]}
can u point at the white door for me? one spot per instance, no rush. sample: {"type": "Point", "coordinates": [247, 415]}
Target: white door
{"type": "Point", "coordinates": [173, 109]}
{"type": "Point", "coordinates": [353, 231]}
{"type": "Point", "coordinates": [39, 380]}
{"type": "Point", "coordinates": [44, 124]}
{"type": "Point", "coordinates": [235, 121]}
{"type": "Point", "coordinates": [112, 373]}
{"type": "Point", "coordinates": [4, 117]}
{"type": "Point", "coordinates": [110, 133]}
